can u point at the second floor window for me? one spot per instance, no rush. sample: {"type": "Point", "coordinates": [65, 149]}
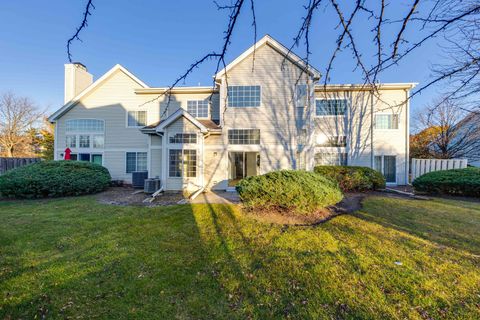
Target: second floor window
{"type": "Point", "coordinates": [244, 136]}
{"type": "Point", "coordinates": [244, 96]}
{"type": "Point", "coordinates": [137, 118]}
{"type": "Point", "coordinates": [386, 121]}
{"type": "Point", "coordinates": [334, 141]}
{"type": "Point", "coordinates": [84, 133]}
{"type": "Point", "coordinates": [330, 107]}
{"type": "Point", "coordinates": [136, 161]}
{"type": "Point", "coordinates": [183, 138]}
{"type": "Point", "coordinates": [331, 159]}
{"type": "Point", "coordinates": [198, 108]}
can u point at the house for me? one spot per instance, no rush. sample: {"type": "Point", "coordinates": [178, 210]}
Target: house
{"type": "Point", "coordinates": [265, 112]}
{"type": "Point", "coordinates": [466, 138]}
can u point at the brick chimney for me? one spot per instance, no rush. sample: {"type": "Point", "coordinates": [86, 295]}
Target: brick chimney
{"type": "Point", "coordinates": [77, 79]}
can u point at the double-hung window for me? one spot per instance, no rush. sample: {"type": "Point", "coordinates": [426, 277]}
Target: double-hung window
{"type": "Point", "coordinates": [136, 161]}
{"type": "Point", "coordinates": [330, 107]}
{"type": "Point", "coordinates": [301, 93]}
{"type": "Point", "coordinates": [198, 108]}
{"type": "Point", "coordinates": [244, 96]}
{"type": "Point", "coordinates": [244, 136]}
{"type": "Point", "coordinates": [71, 141]}
{"type": "Point", "coordinates": [182, 163]}
{"type": "Point", "coordinates": [137, 118]}
{"type": "Point", "coordinates": [386, 121]}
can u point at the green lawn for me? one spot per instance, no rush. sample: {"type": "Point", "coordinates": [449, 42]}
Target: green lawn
{"type": "Point", "coordinates": [74, 258]}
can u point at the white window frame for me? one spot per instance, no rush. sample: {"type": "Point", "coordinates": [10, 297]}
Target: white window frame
{"type": "Point", "coordinates": [136, 161]}
{"type": "Point", "coordinates": [386, 114]}
{"type": "Point", "coordinates": [196, 106]}
{"type": "Point", "coordinates": [382, 165]}
{"type": "Point", "coordinates": [172, 134]}
{"type": "Point", "coordinates": [136, 111]}
{"type": "Point", "coordinates": [244, 107]}
{"type": "Point", "coordinates": [182, 173]}
{"type": "Point", "coordinates": [347, 107]}
{"type": "Point", "coordinates": [78, 133]}
{"type": "Point", "coordinates": [91, 154]}
{"type": "Point", "coordinates": [245, 144]}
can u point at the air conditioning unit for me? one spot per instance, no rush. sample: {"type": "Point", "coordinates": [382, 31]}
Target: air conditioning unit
{"type": "Point", "coordinates": [152, 185]}
{"type": "Point", "coordinates": [138, 178]}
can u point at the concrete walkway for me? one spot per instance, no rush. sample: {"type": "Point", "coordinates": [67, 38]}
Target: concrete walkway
{"type": "Point", "coordinates": [221, 197]}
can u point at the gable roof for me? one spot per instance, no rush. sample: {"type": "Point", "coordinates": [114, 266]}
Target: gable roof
{"type": "Point", "coordinates": [92, 87]}
{"type": "Point", "coordinates": [177, 114]}
{"type": "Point", "coordinates": [280, 48]}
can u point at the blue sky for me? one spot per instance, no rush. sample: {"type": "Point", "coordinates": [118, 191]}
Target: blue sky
{"type": "Point", "coordinates": [158, 40]}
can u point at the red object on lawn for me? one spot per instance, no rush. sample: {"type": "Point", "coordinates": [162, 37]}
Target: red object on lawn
{"type": "Point", "coordinates": [67, 154]}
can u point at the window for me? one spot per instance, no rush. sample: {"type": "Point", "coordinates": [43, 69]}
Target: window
{"type": "Point", "coordinates": [244, 136]}
{"type": "Point", "coordinates": [198, 108]}
{"type": "Point", "coordinates": [98, 141]}
{"type": "Point", "coordinates": [334, 158]}
{"type": "Point", "coordinates": [387, 165]}
{"type": "Point", "coordinates": [71, 141]}
{"type": "Point", "coordinates": [183, 138]}
{"type": "Point", "coordinates": [137, 118]}
{"type": "Point", "coordinates": [95, 158]}
{"type": "Point", "coordinates": [182, 163]}
{"type": "Point", "coordinates": [84, 125]}
{"type": "Point", "coordinates": [136, 161]}
{"type": "Point", "coordinates": [84, 141]}
{"type": "Point", "coordinates": [301, 96]}
{"type": "Point", "coordinates": [243, 96]}
{"type": "Point", "coordinates": [85, 133]}
{"type": "Point", "coordinates": [333, 141]}
{"type": "Point", "coordinates": [330, 107]}
{"type": "Point", "coordinates": [386, 121]}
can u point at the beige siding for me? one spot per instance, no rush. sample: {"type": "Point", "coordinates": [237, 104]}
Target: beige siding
{"type": "Point", "coordinates": [276, 116]}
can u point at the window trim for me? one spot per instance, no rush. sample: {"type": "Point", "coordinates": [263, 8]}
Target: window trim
{"type": "Point", "coordinates": [182, 151]}
{"type": "Point", "coordinates": [90, 132]}
{"type": "Point", "coordinates": [331, 115]}
{"type": "Point", "coordinates": [331, 152]}
{"type": "Point", "coordinates": [197, 101]}
{"type": "Point", "coordinates": [171, 134]}
{"type": "Point", "coordinates": [245, 144]}
{"type": "Point", "coordinates": [333, 136]}
{"type": "Point", "coordinates": [385, 113]}
{"type": "Point", "coordinates": [126, 118]}
{"type": "Point", "coordinates": [136, 160]}
{"type": "Point", "coordinates": [91, 154]}
{"type": "Point", "coordinates": [240, 85]}
{"type": "Point", "coordinates": [382, 165]}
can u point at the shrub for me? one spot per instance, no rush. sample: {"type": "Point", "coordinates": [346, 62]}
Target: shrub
{"type": "Point", "coordinates": [299, 192]}
{"type": "Point", "coordinates": [353, 178]}
{"type": "Point", "coordinates": [54, 179]}
{"type": "Point", "coordinates": [462, 182]}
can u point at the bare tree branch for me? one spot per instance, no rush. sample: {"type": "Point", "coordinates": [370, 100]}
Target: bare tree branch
{"type": "Point", "coordinates": [82, 26]}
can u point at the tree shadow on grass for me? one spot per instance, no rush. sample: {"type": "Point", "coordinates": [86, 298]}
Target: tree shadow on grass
{"type": "Point", "coordinates": [124, 263]}
{"type": "Point", "coordinates": [444, 222]}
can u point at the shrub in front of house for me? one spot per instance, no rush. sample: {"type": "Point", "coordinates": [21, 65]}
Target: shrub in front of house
{"type": "Point", "coordinates": [351, 178]}
{"type": "Point", "coordinates": [54, 179]}
{"type": "Point", "coordinates": [290, 191]}
{"type": "Point", "coordinates": [460, 182]}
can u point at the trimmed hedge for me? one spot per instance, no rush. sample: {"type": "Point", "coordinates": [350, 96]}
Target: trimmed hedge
{"type": "Point", "coordinates": [299, 192]}
{"type": "Point", "coordinates": [54, 179]}
{"type": "Point", "coordinates": [461, 182]}
{"type": "Point", "coordinates": [353, 178]}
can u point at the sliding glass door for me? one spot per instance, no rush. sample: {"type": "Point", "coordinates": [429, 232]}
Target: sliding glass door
{"type": "Point", "coordinates": [241, 165]}
{"type": "Point", "coordinates": [387, 165]}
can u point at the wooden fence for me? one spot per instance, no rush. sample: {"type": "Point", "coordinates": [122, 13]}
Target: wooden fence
{"type": "Point", "coordinates": [12, 163]}
{"type": "Point", "coordinates": [422, 166]}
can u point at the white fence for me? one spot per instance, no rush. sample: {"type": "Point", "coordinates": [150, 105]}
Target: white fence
{"type": "Point", "coordinates": [422, 166]}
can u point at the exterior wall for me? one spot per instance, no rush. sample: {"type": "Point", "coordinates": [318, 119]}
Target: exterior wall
{"type": "Point", "coordinates": [363, 140]}
{"type": "Point", "coordinates": [276, 115]}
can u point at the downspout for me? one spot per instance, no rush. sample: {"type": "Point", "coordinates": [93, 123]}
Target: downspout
{"type": "Point", "coordinates": [407, 137]}
{"type": "Point", "coordinates": [372, 156]}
